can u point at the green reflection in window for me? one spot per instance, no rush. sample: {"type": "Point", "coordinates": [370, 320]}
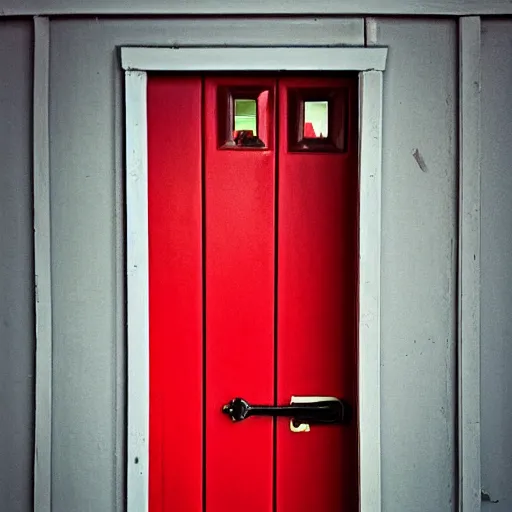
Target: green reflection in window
{"type": "Point", "coordinates": [245, 115]}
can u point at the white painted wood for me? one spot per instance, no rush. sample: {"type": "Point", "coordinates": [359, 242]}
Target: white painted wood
{"type": "Point", "coordinates": [271, 7]}
{"type": "Point", "coordinates": [370, 224]}
{"type": "Point", "coordinates": [138, 291]}
{"type": "Point", "coordinates": [237, 32]}
{"type": "Point", "coordinates": [469, 265]}
{"type": "Point", "coordinates": [253, 59]}
{"type": "Point", "coordinates": [42, 266]}
{"type": "Point", "coordinates": [370, 176]}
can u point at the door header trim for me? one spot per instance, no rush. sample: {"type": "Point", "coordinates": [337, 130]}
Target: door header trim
{"type": "Point", "coordinates": [254, 59]}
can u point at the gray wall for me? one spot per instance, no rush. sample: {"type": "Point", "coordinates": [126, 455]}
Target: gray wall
{"type": "Point", "coordinates": [418, 265]}
{"type": "Point", "coordinates": [16, 269]}
{"type": "Point", "coordinates": [496, 344]}
{"type": "Point", "coordinates": [419, 226]}
{"type": "Point", "coordinates": [418, 353]}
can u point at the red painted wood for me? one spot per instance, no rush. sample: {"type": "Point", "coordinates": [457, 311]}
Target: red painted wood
{"type": "Point", "coordinates": [262, 116]}
{"type": "Point", "coordinates": [317, 276]}
{"type": "Point", "coordinates": [316, 301]}
{"type": "Point", "coordinates": [175, 293]}
{"type": "Point", "coordinates": [239, 314]}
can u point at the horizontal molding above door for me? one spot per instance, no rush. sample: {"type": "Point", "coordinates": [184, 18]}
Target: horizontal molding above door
{"type": "Point", "coordinates": [263, 7]}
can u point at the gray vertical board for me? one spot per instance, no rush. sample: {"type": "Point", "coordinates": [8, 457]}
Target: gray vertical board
{"type": "Point", "coordinates": [87, 336]}
{"type": "Point", "coordinates": [42, 267]}
{"type": "Point", "coordinates": [86, 133]}
{"type": "Point", "coordinates": [419, 251]}
{"type": "Point", "coordinates": [496, 265]}
{"type": "Point", "coordinates": [17, 335]}
{"type": "Point", "coordinates": [469, 263]}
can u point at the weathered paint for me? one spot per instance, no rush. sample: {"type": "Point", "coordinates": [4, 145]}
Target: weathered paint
{"type": "Point", "coordinates": [419, 285]}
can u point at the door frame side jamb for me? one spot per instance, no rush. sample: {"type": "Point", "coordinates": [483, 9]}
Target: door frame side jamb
{"type": "Point", "coordinates": [137, 270]}
{"type": "Point", "coordinates": [370, 62]}
{"type": "Point", "coordinates": [370, 213]}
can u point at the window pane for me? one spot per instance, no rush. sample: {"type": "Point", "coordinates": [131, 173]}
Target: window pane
{"type": "Point", "coordinates": [245, 115]}
{"type": "Point", "coordinates": [316, 119]}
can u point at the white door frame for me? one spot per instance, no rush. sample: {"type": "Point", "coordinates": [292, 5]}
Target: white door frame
{"type": "Point", "coordinates": [370, 63]}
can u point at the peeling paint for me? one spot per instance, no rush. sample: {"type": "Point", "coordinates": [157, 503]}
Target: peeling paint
{"type": "Point", "coordinates": [487, 497]}
{"type": "Point", "coordinates": [419, 160]}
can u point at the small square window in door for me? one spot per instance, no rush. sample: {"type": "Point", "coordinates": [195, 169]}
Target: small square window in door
{"type": "Point", "coordinates": [244, 118]}
{"type": "Point", "coordinates": [317, 120]}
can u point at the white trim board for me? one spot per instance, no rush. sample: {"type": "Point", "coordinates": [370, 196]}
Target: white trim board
{"type": "Point", "coordinates": [268, 7]}
{"type": "Point", "coordinates": [42, 269]}
{"type": "Point", "coordinates": [469, 265]}
{"type": "Point", "coordinates": [370, 171]}
{"type": "Point", "coordinates": [370, 183]}
{"type": "Point", "coordinates": [254, 59]}
{"type": "Point", "coordinates": [138, 291]}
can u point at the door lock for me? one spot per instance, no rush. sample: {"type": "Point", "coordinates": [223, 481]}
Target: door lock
{"type": "Point", "coordinates": [302, 411]}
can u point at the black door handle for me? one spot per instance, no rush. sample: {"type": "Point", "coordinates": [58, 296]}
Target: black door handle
{"type": "Point", "coordinates": [332, 411]}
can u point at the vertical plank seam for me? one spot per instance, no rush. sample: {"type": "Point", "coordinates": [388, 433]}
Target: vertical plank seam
{"type": "Point", "coordinates": [138, 292]}
{"type": "Point", "coordinates": [469, 265]}
{"type": "Point", "coordinates": [277, 127]}
{"type": "Point", "coordinates": [370, 155]}
{"type": "Point", "coordinates": [203, 281]}
{"type": "Point", "coordinates": [120, 307]}
{"type": "Point", "coordinates": [42, 268]}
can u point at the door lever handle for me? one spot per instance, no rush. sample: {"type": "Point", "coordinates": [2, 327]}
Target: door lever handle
{"type": "Point", "coordinates": [322, 412]}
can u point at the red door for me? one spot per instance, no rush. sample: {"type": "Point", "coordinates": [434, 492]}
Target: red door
{"type": "Point", "coordinates": [253, 292]}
